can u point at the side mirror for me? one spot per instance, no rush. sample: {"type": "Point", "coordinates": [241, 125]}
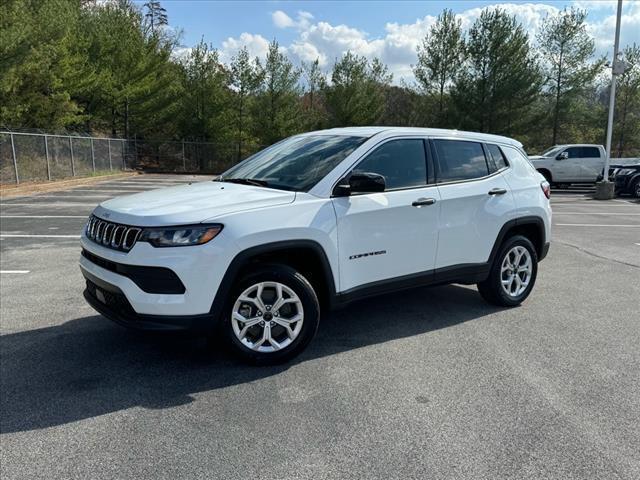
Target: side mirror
{"type": "Point", "coordinates": [360, 182]}
{"type": "Point", "coordinates": [563, 156]}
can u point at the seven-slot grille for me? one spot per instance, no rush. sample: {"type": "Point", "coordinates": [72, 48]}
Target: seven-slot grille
{"type": "Point", "coordinates": [112, 235]}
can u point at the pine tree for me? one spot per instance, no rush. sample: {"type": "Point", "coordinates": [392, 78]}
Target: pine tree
{"type": "Point", "coordinates": [206, 97]}
{"type": "Point", "coordinates": [566, 50]}
{"type": "Point", "coordinates": [500, 78]}
{"type": "Point", "coordinates": [356, 95]}
{"type": "Point", "coordinates": [277, 113]}
{"type": "Point", "coordinates": [156, 15]}
{"type": "Point", "coordinates": [246, 77]}
{"type": "Point", "coordinates": [439, 59]}
{"type": "Point", "coordinates": [314, 112]}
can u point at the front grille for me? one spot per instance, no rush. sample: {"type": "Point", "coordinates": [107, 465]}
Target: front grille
{"type": "Point", "coordinates": [112, 235]}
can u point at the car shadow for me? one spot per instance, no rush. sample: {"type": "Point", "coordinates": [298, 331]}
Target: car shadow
{"type": "Point", "coordinates": [89, 367]}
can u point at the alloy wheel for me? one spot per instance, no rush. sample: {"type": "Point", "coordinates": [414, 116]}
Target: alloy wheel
{"type": "Point", "coordinates": [516, 271]}
{"type": "Point", "coordinates": [267, 317]}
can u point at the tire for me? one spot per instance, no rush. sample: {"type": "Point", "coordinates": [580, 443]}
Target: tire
{"type": "Point", "coordinates": [635, 188]}
{"type": "Point", "coordinates": [492, 289]}
{"type": "Point", "coordinates": [272, 335]}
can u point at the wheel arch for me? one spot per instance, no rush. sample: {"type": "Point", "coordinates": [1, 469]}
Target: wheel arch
{"type": "Point", "coordinates": [306, 256]}
{"type": "Point", "coordinates": [531, 227]}
{"type": "Point", "coordinates": [546, 173]}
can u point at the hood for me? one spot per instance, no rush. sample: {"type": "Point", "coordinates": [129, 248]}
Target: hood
{"type": "Point", "coordinates": [188, 204]}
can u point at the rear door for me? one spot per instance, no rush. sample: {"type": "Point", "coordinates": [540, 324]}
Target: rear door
{"type": "Point", "coordinates": [589, 165]}
{"type": "Point", "coordinates": [475, 201]}
{"type": "Point", "coordinates": [394, 233]}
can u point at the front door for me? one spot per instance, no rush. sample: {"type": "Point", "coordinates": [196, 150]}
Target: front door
{"type": "Point", "coordinates": [394, 233]}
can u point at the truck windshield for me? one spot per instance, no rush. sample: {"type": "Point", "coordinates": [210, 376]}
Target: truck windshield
{"type": "Point", "coordinates": [552, 152]}
{"type": "Point", "coordinates": [296, 163]}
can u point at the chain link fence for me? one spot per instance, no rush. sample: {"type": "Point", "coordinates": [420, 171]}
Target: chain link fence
{"type": "Point", "coordinates": [34, 157]}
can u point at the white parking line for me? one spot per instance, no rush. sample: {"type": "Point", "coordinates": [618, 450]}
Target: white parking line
{"type": "Point", "coordinates": [43, 216]}
{"type": "Point", "coordinates": [70, 196]}
{"type": "Point", "coordinates": [14, 271]}
{"type": "Point", "coordinates": [597, 213]}
{"type": "Point", "coordinates": [43, 204]}
{"type": "Point", "coordinates": [593, 225]}
{"type": "Point", "coordinates": [592, 204]}
{"type": "Point", "coordinates": [11, 235]}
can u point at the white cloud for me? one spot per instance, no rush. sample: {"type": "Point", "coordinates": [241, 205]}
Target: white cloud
{"type": "Point", "coordinates": [281, 19]}
{"type": "Point", "coordinates": [397, 46]}
{"type": "Point", "coordinates": [256, 44]}
{"type": "Point", "coordinates": [603, 31]}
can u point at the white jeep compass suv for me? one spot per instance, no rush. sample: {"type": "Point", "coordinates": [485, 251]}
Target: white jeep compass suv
{"type": "Point", "coordinates": [316, 221]}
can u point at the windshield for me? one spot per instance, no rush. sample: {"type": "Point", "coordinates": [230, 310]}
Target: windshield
{"type": "Point", "coordinates": [552, 152]}
{"type": "Point", "coordinates": [296, 163]}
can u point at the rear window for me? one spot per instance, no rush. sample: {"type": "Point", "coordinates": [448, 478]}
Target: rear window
{"type": "Point", "coordinates": [460, 160]}
{"type": "Point", "coordinates": [590, 152]}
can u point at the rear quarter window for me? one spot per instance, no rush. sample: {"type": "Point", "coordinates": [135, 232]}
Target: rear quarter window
{"type": "Point", "coordinates": [497, 160]}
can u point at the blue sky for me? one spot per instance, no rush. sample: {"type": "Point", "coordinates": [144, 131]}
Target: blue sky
{"type": "Point", "coordinates": [390, 30]}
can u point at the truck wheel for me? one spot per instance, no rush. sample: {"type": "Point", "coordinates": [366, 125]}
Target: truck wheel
{"type": "Point", "coordinates": [512, 274]}
{"type": "Point", "coordinates": [271, 315]}
{"type": "Point", "coordinates": [635, 188]}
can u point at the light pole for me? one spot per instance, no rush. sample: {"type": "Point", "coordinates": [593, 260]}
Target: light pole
{"type": "Point", "coordinates": [605, 189]}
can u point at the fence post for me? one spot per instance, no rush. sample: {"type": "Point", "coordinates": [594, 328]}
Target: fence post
{"type": "Point", "coordinates": [93, 157]}
{"type": "Point", "coordinates": [184, 162]}
{"type": "Point", "coordinates": [109, 144]}
{"type": "Point", "coordinates": [46, 151]}
{"type": "Point", "coordinates": [73, 167]}
{"type": "Point", "coordinates": [15, 161]}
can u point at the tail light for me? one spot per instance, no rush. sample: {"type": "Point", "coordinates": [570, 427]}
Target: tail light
{"type": "Point", "coordinates": [546, 189]}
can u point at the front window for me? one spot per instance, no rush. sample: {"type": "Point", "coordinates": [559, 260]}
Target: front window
{"type": "Point", "coordinates": [402, 163]}
{"type": "Point", "coordinates": [296, 163]}
{"type": "Point", "coordinates": [552, 152]}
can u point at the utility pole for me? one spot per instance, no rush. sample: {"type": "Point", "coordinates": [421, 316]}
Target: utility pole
{"type": "Point", "coordinates": [605, 190]}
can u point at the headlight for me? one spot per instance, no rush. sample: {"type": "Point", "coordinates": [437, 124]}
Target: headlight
{"type": "Point", "coordinates": [624, 171]}
{"type": "Point", "coordinates": [181, 236]}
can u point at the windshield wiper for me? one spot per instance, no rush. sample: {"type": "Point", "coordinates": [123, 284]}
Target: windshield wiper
{"type": "Point", "coordinates": [246, 181]}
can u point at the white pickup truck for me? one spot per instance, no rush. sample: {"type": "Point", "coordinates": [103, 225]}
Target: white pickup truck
{"type": "Point", "coordinates": [576, 163]}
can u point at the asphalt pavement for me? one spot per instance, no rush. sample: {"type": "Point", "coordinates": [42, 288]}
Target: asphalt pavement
{"type": "Point", "coordinates": [429, 383]}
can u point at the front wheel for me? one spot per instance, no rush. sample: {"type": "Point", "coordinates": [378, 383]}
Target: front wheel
{"type": "Point", "coordinates": [512, 274]}
{"type": "Point", "coordinates": [271, 316]}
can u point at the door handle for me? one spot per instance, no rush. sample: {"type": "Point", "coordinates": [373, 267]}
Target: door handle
{"type": "Point", "coordinates": [423, 201]}
{"type": "Point", "coordinates": [497, 191]}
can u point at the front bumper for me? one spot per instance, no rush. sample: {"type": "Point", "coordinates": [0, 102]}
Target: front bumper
{"type": "Point", "coordinates": [173, 282]}
{"type": "Point", "coordinates": [109, 301]}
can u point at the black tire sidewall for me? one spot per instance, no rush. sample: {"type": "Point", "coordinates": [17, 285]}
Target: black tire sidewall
{"type": "Point", "coordinates": [496, 277]}
{"type": "Point", "coordinates": [301, 286]}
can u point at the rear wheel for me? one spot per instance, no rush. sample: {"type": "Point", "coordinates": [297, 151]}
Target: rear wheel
{"type": "Point", "coordinates": [272, 315]}
{"type": "Point", "coordinates": [635, 188]}
{"type": "Point", "coordinates": [512, 274]}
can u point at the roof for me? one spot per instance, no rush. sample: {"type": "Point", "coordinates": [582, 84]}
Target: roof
{"type": "Point", "coordinates": [370, 131]}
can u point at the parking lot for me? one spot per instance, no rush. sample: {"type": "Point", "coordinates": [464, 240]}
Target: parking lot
{"type": "Point", "coordinates": [430, 383]}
